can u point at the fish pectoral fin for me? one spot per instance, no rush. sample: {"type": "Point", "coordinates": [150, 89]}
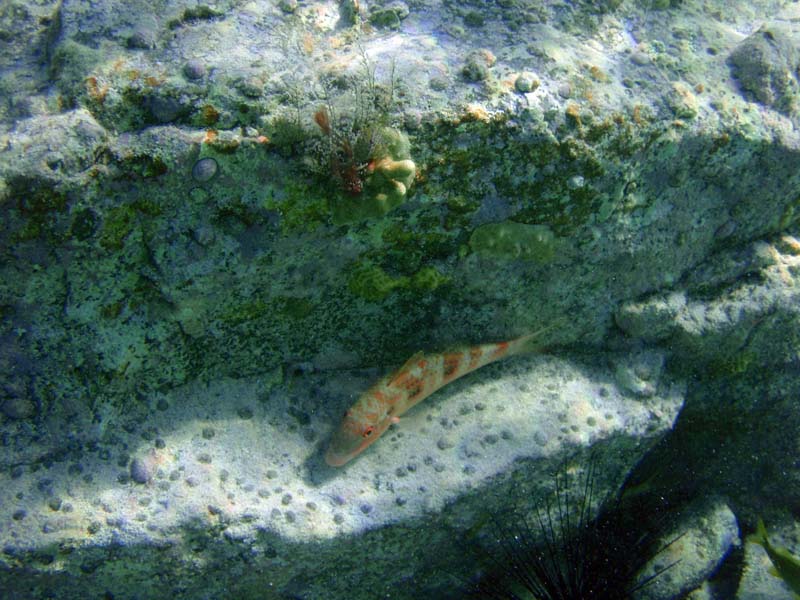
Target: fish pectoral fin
{"type": "Point", "coordinates": [406, 366]}
{"type": "Point", "coordinates": [394, 420]}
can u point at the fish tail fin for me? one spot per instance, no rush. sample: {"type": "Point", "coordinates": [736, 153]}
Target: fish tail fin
{"type": "Point", "coordinates": [760, 535]}
{"type": "Point", "coordinates": [529, 341]}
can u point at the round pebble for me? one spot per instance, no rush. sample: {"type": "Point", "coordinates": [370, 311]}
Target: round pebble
{"type": "Point", "coordinates": [204, 170]}
{"type": "Point", "coordinates": [526, 83]}
{"type": "Point", "coordinates": [141, 470]}
{"type": "Point", "coordinates": [194, 69]}
{"type": "Point", "coordinates": [142, 39]}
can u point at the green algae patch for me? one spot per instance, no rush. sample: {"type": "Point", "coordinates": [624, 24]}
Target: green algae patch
{"type": "Point", "coordinates": [511, 240]}
{"type": "Point", "coordinates": [370, 282]}
{"type": "Point", "coordinates": [373, 283]}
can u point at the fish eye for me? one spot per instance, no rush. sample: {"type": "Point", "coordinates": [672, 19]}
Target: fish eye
{"type": "Point", "coordinates": [368, 431]}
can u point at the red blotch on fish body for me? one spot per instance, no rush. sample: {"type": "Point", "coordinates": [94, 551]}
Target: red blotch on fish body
{"type": "Point", "coordinates": [450, 365]}
{"type": "Point", "coordinates": [500, 350]}
{"type": "Point", "coordinates": [474, 357]}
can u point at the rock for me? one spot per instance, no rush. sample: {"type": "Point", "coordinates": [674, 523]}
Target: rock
{"type": "Point", "coordinates": [765, 65]}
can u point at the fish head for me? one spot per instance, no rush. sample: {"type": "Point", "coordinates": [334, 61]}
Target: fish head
{"type": "Point", "coordinates": [362, 424]}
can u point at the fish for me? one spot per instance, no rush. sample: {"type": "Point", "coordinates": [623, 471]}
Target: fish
{"type": "Point", "coordinates": [784, 564]}
{"type": "Point", "coordinates": [420, 376]}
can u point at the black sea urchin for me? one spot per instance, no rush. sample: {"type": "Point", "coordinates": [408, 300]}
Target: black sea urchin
{"type": "Point", "coordinates": [571, 549]}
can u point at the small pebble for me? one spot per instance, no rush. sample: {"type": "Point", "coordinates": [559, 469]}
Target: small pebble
{"type": "Point", "coordinates": [286, 499]}
{"type": "Point", "coordinates": [290, 517]}
{"type": "Point", "coordinates": [338, 519]}
{"type": "Point", "coordinates": [142, 39]}
{"type": "Point", "coordinates": [204, 458]}
{"type": "Point", "coordinates": [444, 444]}
{"type": "Point", "coordinates": [366, 508]}
{"type": "Point", "coordinates": [142, 470]}
{"type": "Point", "coordinates": [19, 514]}
{"type": "Point", "coordinates": [526, 83]}
{"type": "Point", "coordinates": [208, 433]}
{"type": "Point", "coordinates": [205, 170]}
{"type": "Point", "coordinates": [194, 69]}
{"type": "Point", "coordinates": [245, 413]}
{"type": "Point", "coordinates": [54, 503]}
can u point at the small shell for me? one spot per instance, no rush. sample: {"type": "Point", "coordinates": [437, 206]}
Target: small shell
{"type": "Point", "coordinates": [204, 169]}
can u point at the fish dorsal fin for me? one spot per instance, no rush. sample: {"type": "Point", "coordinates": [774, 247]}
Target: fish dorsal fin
{"type": "Point", "coordinates": [406, 366]}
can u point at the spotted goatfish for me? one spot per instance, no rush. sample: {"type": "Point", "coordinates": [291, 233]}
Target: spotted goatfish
{"type": "Point", "coordinates": [418, 378]}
